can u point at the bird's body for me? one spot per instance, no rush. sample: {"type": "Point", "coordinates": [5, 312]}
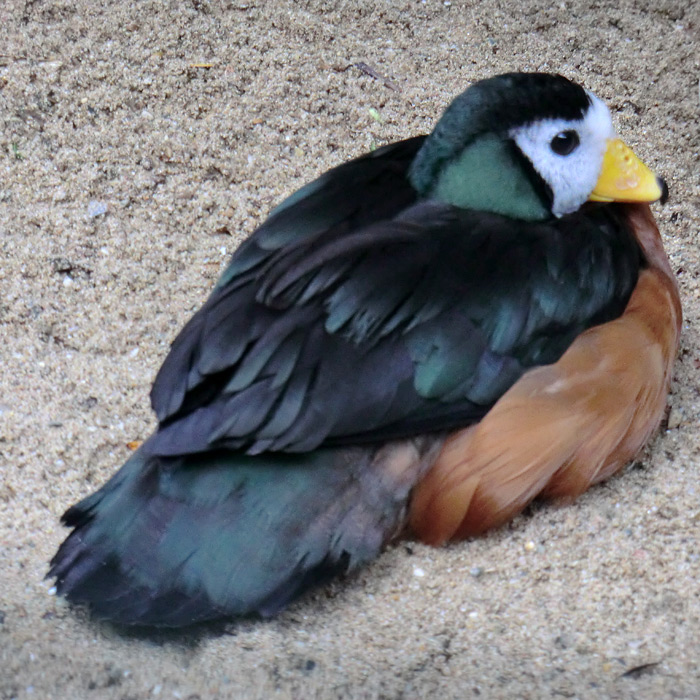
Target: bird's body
{"type": "Point", "coordinates": [427, 333]}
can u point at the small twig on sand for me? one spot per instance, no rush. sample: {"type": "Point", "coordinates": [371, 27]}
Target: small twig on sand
{"type": "Point", "coordinates": [373, 73]}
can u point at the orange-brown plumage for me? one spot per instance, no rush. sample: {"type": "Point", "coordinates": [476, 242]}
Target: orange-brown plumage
{"type": "Point", "coordinates": [566, 426]}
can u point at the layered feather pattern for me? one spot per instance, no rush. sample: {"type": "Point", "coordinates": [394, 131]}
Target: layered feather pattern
{"type": "Point", "coordinates": [414, 324]}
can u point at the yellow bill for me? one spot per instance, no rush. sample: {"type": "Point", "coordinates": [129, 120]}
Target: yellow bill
{"type": "Point", "coordinates": [624, 178]}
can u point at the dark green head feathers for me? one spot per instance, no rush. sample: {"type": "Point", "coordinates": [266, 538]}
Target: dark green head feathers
{"type": "Point", "coordinates": [494, 106]}
{"type": "Point", "coordinates": [473, 159]}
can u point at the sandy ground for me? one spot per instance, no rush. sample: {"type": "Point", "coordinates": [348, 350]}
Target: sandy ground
{"type": "Point", "coordinates": [139, 144]}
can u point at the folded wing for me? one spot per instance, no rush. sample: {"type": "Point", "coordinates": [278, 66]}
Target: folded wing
{"type": "Point", "coordinates": [415, 324]}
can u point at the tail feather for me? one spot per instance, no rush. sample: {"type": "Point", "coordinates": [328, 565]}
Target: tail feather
{"type": "Point", "coordinates": [172, 541]}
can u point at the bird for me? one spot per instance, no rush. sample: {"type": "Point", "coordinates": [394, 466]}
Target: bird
{"type": "Point", "coordinates": [419, 342]}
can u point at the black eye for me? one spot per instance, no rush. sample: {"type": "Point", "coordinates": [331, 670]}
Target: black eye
{"type": "Point", "coordinates": [565, 142]}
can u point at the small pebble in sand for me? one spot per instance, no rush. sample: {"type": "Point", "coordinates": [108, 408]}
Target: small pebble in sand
{"type": "Point", "coordinates": [675, 418]}
{"type": "Point", "coordinates": [96, 208]}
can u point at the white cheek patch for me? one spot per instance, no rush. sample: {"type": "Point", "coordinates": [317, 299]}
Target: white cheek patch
{"type": "Point", "coordinates": [572, 177]}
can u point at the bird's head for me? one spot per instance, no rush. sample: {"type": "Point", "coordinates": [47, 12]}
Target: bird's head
{"type": "Point", "coordinates": [530, 146]}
